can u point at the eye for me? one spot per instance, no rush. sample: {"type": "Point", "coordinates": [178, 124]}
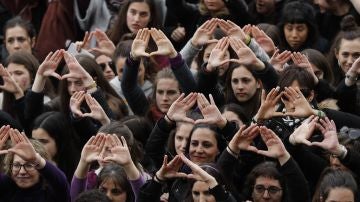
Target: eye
{"type": "Point", "coordinates": [246, 80]}
{"type": "Point", "coordinates": [160, 92]}
{"type": "Point", "coordinates": [179, 138]}
{"type": "Point", "coordinates": [171, 92]}
{"type": "Point", "coordinates": [21, 39]}
{"type": "Point", "coordinates": [116, 191]}
{"type": "Point", "coordinates": [196, 193]}
{"type": "Point", "coordinates": [345, 54]}
{"type": "Point", "coordinates": [235, 81]}
{"type": "Point", "coordinates": [207, 144]}
{"type": "Point", "coordinates": [144, 14]}
{"type": "Point", "coordinates": [194, 143]}
{"type": "Point", "coordinates": [10, 40]}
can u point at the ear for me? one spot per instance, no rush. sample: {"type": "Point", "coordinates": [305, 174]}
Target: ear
{"type": "Point", "coordinates": [311, 96]}
{"type": "Point", "coordinates": [336, 52]}
{"type": "Point", "coordinates": [259, 83]}
{"type": "Point", "coordinates": [32, 42]}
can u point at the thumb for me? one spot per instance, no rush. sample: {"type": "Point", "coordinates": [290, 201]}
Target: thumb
{"type": "Point", "coordinates": [155, 53]}
{"type": "Point", "coordinates": [318, 144]}
{"type": "Point", "coordinates": [188, 120]}
{"type": "Point", "coordinates": [4, 152]}
{"type": "Point", "coordinates": [199, 121]}
{"type": "Point", "coordinates": [56, 75]}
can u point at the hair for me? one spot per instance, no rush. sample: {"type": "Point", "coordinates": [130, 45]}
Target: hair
{"type": "Point", "coordinates": [118, 128]}
{"type": "Point", "coordinates": [18, 21]}
{"type": "Point", "coordinates": [332, 178]}
{"type": "Point", "coordinates": [140, 128]}
{"type": "Point", "coordinates": [294, 73]}
{"type": "Point", "coordinates": [116, 174]}
{"type": "Point", "coordinates": [238, 110]}
{"type": "Point", "coordinates": [349, 31]}
{"type": "Point", "coordinates": [297, 12]}
{"type": "Point", "coordinates": [319, 60]}
{"type": "Point", "coordinates": [205, 11]}
{"type": "Point", "coordinates": [120, 26]}
{"type": "Point", "coordinates": [9, 158]}
{"type": "Point", "coordinates": [94, 195]}
{"type": "Point", "coordinates": [59, 128]}
{"type": "Point", "coordinates": [123, 49]}
{"type": "Point", "coordinates": [115, 102]}
{"type": "Point", "coordinates": [266, 169]}
{"type": "Point", "coordinates": [273, 32]}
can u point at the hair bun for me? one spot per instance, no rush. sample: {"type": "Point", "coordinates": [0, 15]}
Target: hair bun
{"type": "Point", "coordinates": [348, 23]}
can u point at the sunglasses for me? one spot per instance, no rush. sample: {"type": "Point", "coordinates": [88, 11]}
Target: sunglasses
{"type": "Point", "coordinates": [104, 64]}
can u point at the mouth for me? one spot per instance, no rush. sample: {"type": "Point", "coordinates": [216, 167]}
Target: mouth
{"type": "Point", "coordinates": [241, 94]}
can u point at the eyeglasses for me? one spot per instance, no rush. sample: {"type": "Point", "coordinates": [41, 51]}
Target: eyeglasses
{"type": "Point", "coordinates": [29, 167]}
{"type": "Point", "coordinates": [272, 190]}
{"type": "Point", "coordinates": [111, 65]}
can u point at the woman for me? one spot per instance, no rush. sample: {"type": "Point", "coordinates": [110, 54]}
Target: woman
{"type": "Point", "coordinates": [29, 174]}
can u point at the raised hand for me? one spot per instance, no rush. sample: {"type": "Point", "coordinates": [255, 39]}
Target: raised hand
{"type": "Point", "coordinates": [232, 30]}
{"type": "Point", "coordinates": [75, 102]}
{"type": "Point", "coordinates": [243, 139]}
{"type": "Point", "coordinates": [164, 45]}
{"type": "Point", "coordinates": [278, 60]}
{"type": "Point", "coordinates": [268, 104]}
{"type": "Point", "coordinates": [4, 136]}
{"type": "Point", "coordinates": [96, 111]}
{"type": "Point", "coordinates": [276, 148]}
{"type": "Point", "coordinates": [92, 149]}
{"type": "Point", "coordinates": [302, 61]}
{"type": "Point", "coordinates": [217, 55]}
{"type": "Point", "coordinates": [245, 54]}
{"type": "Point", "coordinates": [302, 133]}
{"type": "Point", "coordinates": [178, 109]}
{"type": "Point", "coordinates": [171, 169]}
{"type": "Point", "coordinates": [84, 43]}
{"type": "Point", "coordinates": [76, 71]}
{"type": "Point", "coordinates": [204, 33]}
{"type": "Point", "coordinates": [353, 73]}
{"type": "Point", "coordinates": [22, 146]}
{"type": "Point", "coordinates": [198, 173]}
{"type": "Point", "coordinates": [119, 150]}
{"type": "Point", "coordinates": [301, 107]}
{"type": "Point", "coordinates": [10, 85]}
{"type": "Point", "coordinates": [330, 141]}
{"type": "Point", "coordinates": [178, 34]}
{"type": "Point", "coordinates": [104, 46]}
{"type": "Point", "coordinates": [140, 43]}
{"type": "Point", "coordinates": [50, 64]}
{"type": "Point", "coordinates": [263, 40]}
{"type": "Point", "coordinates": [209, 111]}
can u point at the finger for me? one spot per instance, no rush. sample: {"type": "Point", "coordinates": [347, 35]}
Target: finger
{"type": "Point", "coordinates": [180, 98]}
{"type": "Point", "coordinates": [212, 102]}
{"type": "Point", "coordinates": [55, 75]}
{"type": "Point", "coordinates": [3, 152]}
{"type": "Point", "coordinates": [205, 101]}
{"type": "Point", "coordinates": [85, 39]}
{"type": "Point", "coordinates": [124, 142]}
{"type": "Point", "coordinates": [264, 153]}
{"type": "Point", "coordinates": [48, 56]}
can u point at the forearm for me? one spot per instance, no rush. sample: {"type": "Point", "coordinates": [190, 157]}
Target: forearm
{"type": "Point", "coordinates": [183, 75]}
{"type": "Point", "coordinates": [82, 170]}
{"type": "Point", "coordinates": [131, 171]}
{"type": "Point", "coordinates": [189, 51]}
{"type": "Point", "coordinates": [39, 84]}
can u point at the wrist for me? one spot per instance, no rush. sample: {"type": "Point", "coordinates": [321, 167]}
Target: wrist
{"type": "Point", "coordinates": [173, 54]}
{"type": "Point", "coordinates": [284, 158]}
{"type": "Point", "coordinates": [211, 182]}
{"type": "Point", "coordinates": [259, 65]}
{"type": "Point", "coordinates": [292, 140]}
{"type": "Point", "coordinates": [340, 151]}
{"type": "Point", "coordinates": [222, 123]}
{"type": "Point", "coordinates": [194, 43]}
{"type": "Point", "coordinates": [105, 121]}
{"type": "Point", "coordinates": [19, 94]}
{"type": "Point", "coordinates": [234, 151]}
{"type": "Point", "coordinates": [158, 178]}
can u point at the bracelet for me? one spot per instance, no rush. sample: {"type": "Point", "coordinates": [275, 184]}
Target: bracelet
{"type": "Point", "coordinates": [172, 121]}
{"type": "Point", "coordinates": [321, 114]}
{"type": "Point", "coordinates": [156, 178]}
{"type": "Point", "coordinates": [232, 152]}
{"type": "Point", "coordinates": [91, 86]}
{"type": "Point", "coordinates": [351, 78]}
{"type": "Point", "coordinates": [247, 40]}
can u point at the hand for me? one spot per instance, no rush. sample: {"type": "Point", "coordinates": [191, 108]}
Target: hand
{"type": "Point", "coordinates": [302, 61]}
{"type": "Point", "coordinates": [178, 34]}
{"type": "Point", "coordinates": [4, 136]}
{"type": "Point", "coordinates": [204, 33]}
{"type": "Point", "coordinates": [76, 70]}
{"type": "Point", "coordinates": [104, 46]}
{"type": "Point", "coordinates": [119, 150]}
{"type": "Point", "coordinates": [301, 108]}
{"type": "Point", "coordinates": [302, 133]}
{"type": "Point", "coordinates": [276, 148]}
{"type": "Point", "coordinates": [22, 146]}
{"type": "Point", "coordinates": [232, 30]}
{"type": "Point", "coordinates": [209, 111]}
{"type": "Point", "coordinates": [268, 105]}
{"type": "Point", "coordinates": [243, 139]}
{"type": "Point", "coordinates": [263, 40]}
{"type": "Point", "coordinates": [278, 60]}
{"type": "Point", "coordinates": [164, 45]}
{"type": "Point", "coordinates": [178, 109]}
{"type": "Point", "coordinates": [245, 55]}
{"type": "Point", "coordinates": [49, 65]}
{"type": "Point", "coordinates": [96, 111]}
{"type": "Point", "coordinates": [247, 29]}
{"type": "Point", "coordinates": [217, 55]}
{"type": "Point", "coordinates": [198, 173]}
{"type": "Point", "coordinates": [92, 149]}
{"type": "Point", "coordinates": [140, 43]}
{"type": "Point", "coordinates": [84, 44]}
{"type": "Point", "coordinates": [355, 68]}
{"type": "Point", "coordinates": [75, 103]}
{"type": "Point", "coordinates": [10, 85]}
{"type": "Point", "coordinates": [170, 170]}
{"type": "Point", "coordinates": [330, 142]}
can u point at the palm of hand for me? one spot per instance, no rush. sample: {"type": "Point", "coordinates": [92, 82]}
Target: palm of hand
{"type": "Point", "coordinates": [274, 148]}
{"type": "Point", "coordinates": [91, 153]}
{"type": "Point", "coordinates": [266, 43]}
{"type": "Point", "coordinates": [211, 114]}
{"type": "Point", "coordinates": [139, 47]}
{"type": "Point", "coordinates": [246, 56]}
{"type": "Point", "coordinates": [47, 68]}
{"type": "Point", "coordinates": [10, 85]}
{"type": "Point", "coordinates": [163, 47]}
{"type": "Point", "coordinates": [237, 33]}
{"type": "Point", "coordinates": [179, 112]}
{"type": "Point", "coordinates": [216, 58]}
{"type": "Point", "coordinates": [330, 140]}
{"type": "Point", "coordinates": [203, 36]}
{"type": "Point", "coordinates": [75, 106]}
{"type": "Point", "coordinates": [25, 151]}
{"type": "Point", "coordinates": [121, 154]}
{"type": "Point", "coordinates": [76, 70]}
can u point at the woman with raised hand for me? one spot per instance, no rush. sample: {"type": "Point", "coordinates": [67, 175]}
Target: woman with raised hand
{"type": "Point", "coordinates": [29, 174]}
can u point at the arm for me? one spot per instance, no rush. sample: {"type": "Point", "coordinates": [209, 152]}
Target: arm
{"type": "Point", "coordinates": [352, 161]}
{"type": "Point", "coordinates": [189, 52]}
{"type": "Point", "coordinates": [183, 74]}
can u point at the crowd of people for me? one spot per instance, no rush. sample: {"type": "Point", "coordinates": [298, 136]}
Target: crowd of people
{"type": "Point", "coordinates": [180, 100]}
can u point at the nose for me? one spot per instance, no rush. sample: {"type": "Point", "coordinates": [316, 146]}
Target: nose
{"type": "Point", "coordinates": [183, 144]}
{"type": "Point", "coordinates": [164, 96]}
{"type": "Point", "coordinates": [240, 86]}
{"type": "Point", "coordinates": [22, 170]}
{"type": "Point", "coordinates": [202, 198]}
{"type": "Point", "coordinates": [72, 88]}
{"type": "Point", "coordinates": [108, 194]}
{"type": "Point", "coordinates": [266, 194]}
{"type": "Point", "coordinates": [16, 44]}
{"type": "Point", "coordinates": [137, 17]}
{"type": "Point", "coordinates": [294, 33]}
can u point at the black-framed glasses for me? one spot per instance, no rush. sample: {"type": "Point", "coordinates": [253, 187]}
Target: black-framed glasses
{"type": "Point", "coordinates": [272, 190]}
{"type": "Point", "coordinates": [29, 167]}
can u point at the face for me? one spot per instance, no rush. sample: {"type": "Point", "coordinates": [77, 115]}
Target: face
{"type": "Point", "coordinates": [138, 16]}
{"type": "Point", "coordinates": [49, 143]}
{"type": "Point", "coordinates": [167, 91]}
{"type": "Point", "coordinates": [223, 68]}
{"type": "Point", "coordinates": [318, 72]}
{"type": "Point", "coordinates": [243, 84]}
{"type": "Point", "coordinates": [296, 34]}
{"type": "Point", "coordinates": [24, 178]}
{"type": "Point", "coordinates": [349, 51]}
{"type": "Point", "coordinates": [203, 146]}
{"type": "Point", "coordinates": [17, 39]}
{"type": "Point", "coordinates": [231, 116]}
{"type": "Point", "coordinates": [265, 6]}
{"type": "Point", "coordinates": [214, 5]}
{"type": "Point", "coordinates": [20, 74]}
{"type": "Point", "coordinates": [105, 63]}
{"type": "Point", "coordinates": [120, 62]}
{"type": "Point", "coordinates": [340, 194]}
{"type": "Point", "coordinates": [200, 192]}
{"type": "Point", "coordinates": [113, 191]}
{"type": "Point", "coordinates": [267, 189]}
{"type": "Point", "coordinates": [75, 85]}
{"type": "Point", "coordinates": [325, 5]}
{"type": "Point", "coordinates": [182, 137]}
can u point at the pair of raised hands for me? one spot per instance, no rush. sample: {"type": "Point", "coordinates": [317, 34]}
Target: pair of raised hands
{"type": "Point", "coordinates": [243, 140]}
{"type": "Point", "coordinates": [171, 170]}
{"type": "Point", "coordinates": [104, 46]}
{"type": "Point", "coordinates": [21, 146]}
{"type": "Point", "coordinates": [178, 109]}
{"type": "Point", "coordinates": [96, 111]}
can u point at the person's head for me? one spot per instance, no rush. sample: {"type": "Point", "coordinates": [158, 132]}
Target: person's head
{"type": "Point", "coordinates": [122, 51]}
{"type": "Point", "coordinates": [265, 183]}
{"type": "Point", "coordinates": [265, 7]}
{"type": "Point", "coordinates": [298, 26]}
{"type": "Point", "coordinates": [213, 7]}
{"type": "Point", "coordinates": [330, 6]}
{"type": "Point", "coordinates": [140, 127]}
{"type": "Point", "coordinates": [94, 195]}
{"type": "Point", "coordinates": [205, 144]}
{"type": "Point", "coordinates": [19, 35]}
{"type": "Point", "coordinates": [133, 16]}
{"type": "Point", "coordinates": [234, 112]}
{"type": "Point", "coordinates": [335, 185]}
{"type": "Point", "coordinates": [346, 46]}
{"type": "Point", "coordinates": [112, 181]}
{"type": "Point", "coordinates": [166, 89]}
{"type": "Point", "coordinates": [107, 66]}
{"type": "Point", "coordinates": [319, 64]}
{"type": "Point", "coordinates": [22, 172]}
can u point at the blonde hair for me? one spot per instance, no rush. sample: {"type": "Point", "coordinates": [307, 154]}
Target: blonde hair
{"type": "Point", "coordinates": [205, 11]}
